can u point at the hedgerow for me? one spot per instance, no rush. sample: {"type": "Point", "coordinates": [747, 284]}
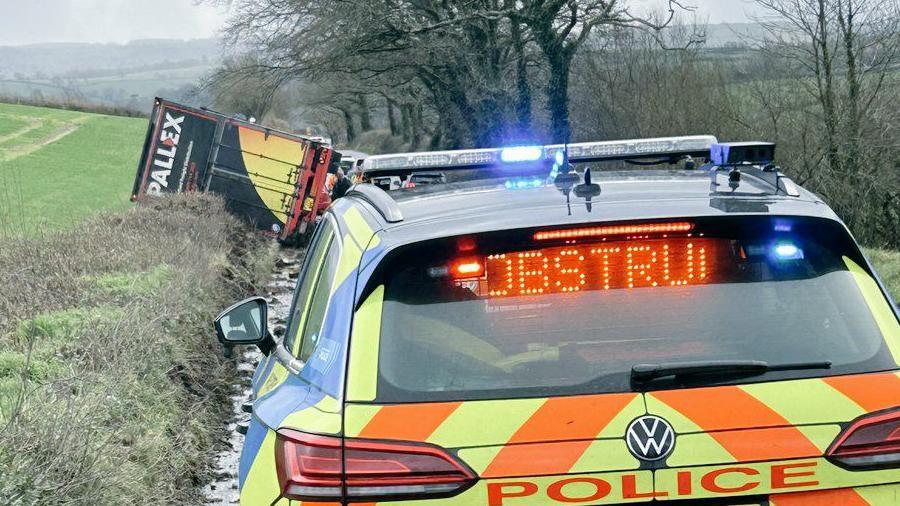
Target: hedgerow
{"type": "Point", "coordinates": [112, 387]}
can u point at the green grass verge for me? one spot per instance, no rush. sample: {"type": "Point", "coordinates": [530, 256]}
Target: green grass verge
{"type": "Point", "coordinates": [135, 283]}
{"type": "Point", "coordinates": [887, 265]}
{"type": "Point", "coordinates": [64, 166]}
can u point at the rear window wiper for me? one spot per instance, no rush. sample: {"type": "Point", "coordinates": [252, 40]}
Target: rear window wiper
{"type": "Point", "coordinates": [648, 372]}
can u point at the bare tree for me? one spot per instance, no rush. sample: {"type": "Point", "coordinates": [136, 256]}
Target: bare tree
{"type": "Point", "coordinates": [236, 90]}
{"type": "Point", "coordinates": [471, 65]}
{"type": "Point", "coordinates": [627, 84]}
{"type": "Point", "coordinates": [561, 27]}
{"type": "Point", "coordinates": [458, 58]}
{"type": "Point", "coordinates": [845, 53]}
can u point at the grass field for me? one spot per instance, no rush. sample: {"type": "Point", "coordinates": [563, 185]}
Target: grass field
{"type": "Point", "coordinates": [57, 167]}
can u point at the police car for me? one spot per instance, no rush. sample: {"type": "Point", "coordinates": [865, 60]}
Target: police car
{"type": "Point", "coordinates": [697, 331]}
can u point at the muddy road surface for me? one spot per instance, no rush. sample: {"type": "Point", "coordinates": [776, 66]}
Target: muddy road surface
{"type": "Point", "coordinates": [224, 490]}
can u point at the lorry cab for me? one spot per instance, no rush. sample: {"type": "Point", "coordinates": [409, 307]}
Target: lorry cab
{"type": "Point", "coordinates": [698, 334]}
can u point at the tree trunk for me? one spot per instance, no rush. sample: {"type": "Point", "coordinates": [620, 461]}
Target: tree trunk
{"type": "Point", "coordinates": [349, 126]}
{"type": "Point", "coordinates": [853, 84]}
{"type": "Point", "coordinates": [406, 121]}
{"type": "Point", "coordinates": [458, 116]}
{"type": "Point", "coordinates": [558, 96]}
{"type": "Point", "coordinates": [523, 90]}
{"type": "Point", "coordinates": [825, 76]}
{"type": "Point", "coordinates": [853, 163]}
{"type": "Point", "coordinates": [415, 138]}
{"type": "Point", "coordinates": [392, 119]}
{"type": "Point", "coordinates": [365, 120]}
{"type": "Point", "coordinates": [437, 137]}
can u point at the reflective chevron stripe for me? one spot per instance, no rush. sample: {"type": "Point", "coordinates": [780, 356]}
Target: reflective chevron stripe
{"type": "Point", "coordinates": [842, 496]}
{"type": "Point", "coordinates": [876, 495]}
{"type": "Point", "coordinates": [704, 449]}
{"type": "Point", "coordinates": [871, 392]}
{"type": "Point", "coordinates": [580, 419]}
{"type": "Point", "coordinates": [362, 374]}
{"type": "Point", "coordinates": [802, 403]}
{"type": "Point", "coordinates": [878, 304]}
{"type": "Point", "coordinates": [410, 422]}
{"type": "Point", "coordinates": [720, 411]}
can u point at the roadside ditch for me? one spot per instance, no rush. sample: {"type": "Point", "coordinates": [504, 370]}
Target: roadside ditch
{"type": "Point", "coordinates": [224, 490]}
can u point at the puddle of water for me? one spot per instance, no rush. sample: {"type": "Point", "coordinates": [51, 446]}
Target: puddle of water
{"type": "Point", "coordinates": [224, 490]}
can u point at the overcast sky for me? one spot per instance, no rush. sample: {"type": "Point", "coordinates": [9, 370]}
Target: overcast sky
{"type": "Point", "coordinates": [38, 21]}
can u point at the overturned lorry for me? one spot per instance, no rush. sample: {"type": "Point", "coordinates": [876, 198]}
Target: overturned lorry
{"type": "Point", "coordinates": [273, 179]}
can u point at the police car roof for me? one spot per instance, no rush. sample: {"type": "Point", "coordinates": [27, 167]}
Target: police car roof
{"type": "Point", "coordinates": [479, 206]}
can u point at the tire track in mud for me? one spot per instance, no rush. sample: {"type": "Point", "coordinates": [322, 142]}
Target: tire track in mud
{"type": "Point", "coordinates": [31, 124]}
{"type": "Point", "coordinates": [61, 130]}
{"type": "Point", "coordinates": [223, 491]}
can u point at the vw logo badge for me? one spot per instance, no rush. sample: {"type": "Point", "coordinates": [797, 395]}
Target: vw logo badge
{"type": "Point", "coordinates": [650, 438]}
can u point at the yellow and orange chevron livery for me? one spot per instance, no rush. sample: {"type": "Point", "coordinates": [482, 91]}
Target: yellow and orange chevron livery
{"type": "Point", "coordinates": [764, 438]}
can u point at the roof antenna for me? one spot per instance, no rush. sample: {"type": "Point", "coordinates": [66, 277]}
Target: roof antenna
{"type": "Point", "coordinates": [565, 177]}
{"type": "Point", "coordinates": [587, 189]}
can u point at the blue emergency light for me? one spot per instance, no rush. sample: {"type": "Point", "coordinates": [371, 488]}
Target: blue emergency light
{"type": "Point", "coordinates": [521, 154]}
{"type": "Point", "coordinates": [787, 251]}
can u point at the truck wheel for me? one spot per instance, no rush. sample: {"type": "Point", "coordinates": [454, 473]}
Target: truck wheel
{"type": "Point", "coordinates": [298, 240]}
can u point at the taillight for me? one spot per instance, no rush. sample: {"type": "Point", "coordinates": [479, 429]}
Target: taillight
{"type": "Point", "coordinates": [310, 468]}
{"type": "Point", "coordinates": [872, 440]}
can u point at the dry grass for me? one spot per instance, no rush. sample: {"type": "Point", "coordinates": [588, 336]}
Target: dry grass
{"type": "Point", "coordinates": [112, 388]}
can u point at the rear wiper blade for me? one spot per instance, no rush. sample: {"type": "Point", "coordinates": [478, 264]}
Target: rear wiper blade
{"type": "Point", "coordinates": [647, 372]}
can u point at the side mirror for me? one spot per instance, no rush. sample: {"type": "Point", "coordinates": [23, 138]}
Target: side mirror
{"type": "Point", "coordinates": [245, 323]}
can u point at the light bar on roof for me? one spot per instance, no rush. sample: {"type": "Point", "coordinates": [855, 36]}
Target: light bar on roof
{"type": "Point", "coordinates": [663, 147]}
{"type": "Point", "coordinates": [432, 159]}
{"type": "Point", "coordinates": [660, 147]}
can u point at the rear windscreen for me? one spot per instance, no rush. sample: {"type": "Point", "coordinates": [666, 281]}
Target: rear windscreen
{"type": "Point", "coordinates": [571, 310]}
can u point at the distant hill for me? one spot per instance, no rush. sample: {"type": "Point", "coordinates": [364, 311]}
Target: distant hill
{"type": "Point", "coordinates": [122, 75]}
{"type": "Point", "coordinates": [733, 34]}
{"type": "Point", "coordinates": [130, 75]}
{"type": "Point", "coordinates": [75, 59]}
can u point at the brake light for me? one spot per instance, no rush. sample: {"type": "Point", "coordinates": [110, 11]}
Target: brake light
{"type": "Point", "coordinates": [648, 228]}
{"type": "Point", "coordinates": [317, 468]}
{"type": "Point", "coordinates": [872, 440]}
{"type": "Point", "coordinates": [467, 268]}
